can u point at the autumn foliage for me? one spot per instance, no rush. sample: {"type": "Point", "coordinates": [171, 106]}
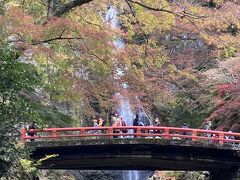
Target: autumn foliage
{"type": "Point", "coordinates": [170, 46]}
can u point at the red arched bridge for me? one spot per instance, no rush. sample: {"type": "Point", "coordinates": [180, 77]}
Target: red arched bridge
{"type": "Point", "coordinates": [140, 147]}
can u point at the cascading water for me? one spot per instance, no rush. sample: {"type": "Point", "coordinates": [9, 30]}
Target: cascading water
{"type": "Point", "coordinates": [124, 109]}
{"type": "Point", "coordinates": [131, 175]}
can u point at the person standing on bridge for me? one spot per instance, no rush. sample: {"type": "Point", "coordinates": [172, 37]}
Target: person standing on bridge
{"type": "Point", "coordinates": [230, 137]}
{"type": "Point", "coordinates": [124, 124]}
{"type": "Point", "coordinates": [187, 133]}
{"type": "Point", "coordinates": [31, 131]}
{"type": "Point", "coordinates": [95, 124]}
{"type": "Point", "coordinates": [215, 136]}
{"type": "Point", "coordinates": [184, 125]}
{"type": "Point", "coordinates": [101, 121]}
{"type": "Point", "coordinates": [157, 124]}
{"type": "Point", "coordinates": [208, 127]}
{"type": "Point", "coordinates": [135, 121]}
{"type": "Point", "coordinates": [116, 121]}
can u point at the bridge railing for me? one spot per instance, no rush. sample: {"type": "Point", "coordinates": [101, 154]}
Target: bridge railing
{"type": "Point", "coordinates": [218, 137]}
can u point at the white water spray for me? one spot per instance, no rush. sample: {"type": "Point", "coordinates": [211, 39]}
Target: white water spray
{"type": "Point", "coordinates": [125, 111]}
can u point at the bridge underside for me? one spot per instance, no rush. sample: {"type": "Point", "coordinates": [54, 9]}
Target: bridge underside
{"type": "Point", "coordinates": [135, 154]}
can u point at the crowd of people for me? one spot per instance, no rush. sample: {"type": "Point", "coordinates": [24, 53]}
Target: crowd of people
{"type": "Point", "coordinates": [117, 121]}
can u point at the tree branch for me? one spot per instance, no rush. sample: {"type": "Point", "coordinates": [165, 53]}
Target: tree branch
{"type": "Point", "coordinates": [68, 6]}
{"type": "Point", "coordinates": [149, 7]}
{"type": "Point", "coordinates": [54, 39]}
{"type": "Point", "coordinates": [181, 14]}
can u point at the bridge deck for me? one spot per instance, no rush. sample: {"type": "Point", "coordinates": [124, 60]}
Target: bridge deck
{"type": "Point", "coordinates": [140, 154]}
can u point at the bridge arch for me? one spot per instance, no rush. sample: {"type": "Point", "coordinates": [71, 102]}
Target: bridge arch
{"type": "Point", "coordinates": [162, 148]}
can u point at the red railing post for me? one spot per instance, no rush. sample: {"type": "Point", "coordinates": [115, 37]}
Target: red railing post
{"type": "Point", "coordinates": [54, 134]}
{"type": "Point", "coordinates": [110, 132]}
{"type": "Point", "coordinates": [221, 137]}
{"type": "Point", "coordinates": [82, 131]}
{"type": "Point", "coordinates": [138, 132]}
{"type": "Point", "coordinates": [194, 135]}
{"type": "Point", "coordinates": [166, 133]}
{"type": "Point", "coordinates": [146, 131]}
{"type": "Point", "coordinates": [23, 134]}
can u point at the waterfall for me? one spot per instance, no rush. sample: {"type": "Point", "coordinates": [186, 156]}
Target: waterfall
{"type": "Point", "coordinates": [125, 111]}
{"type": "Point", "coordinates": [131, 175]}
{"type": "Point", "coordinates": [124, 108]}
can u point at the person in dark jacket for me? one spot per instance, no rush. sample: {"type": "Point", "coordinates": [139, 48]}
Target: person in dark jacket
{"type": "Point", "coordinates": [31, 129]}
{"type": "Point", "coordinates": [184, 125]}
{"type": "Point", "coordinates": [135, 121]}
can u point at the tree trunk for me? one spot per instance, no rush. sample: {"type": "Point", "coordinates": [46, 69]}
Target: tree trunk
{"type": "Point", "coordinates": [52, 7]}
